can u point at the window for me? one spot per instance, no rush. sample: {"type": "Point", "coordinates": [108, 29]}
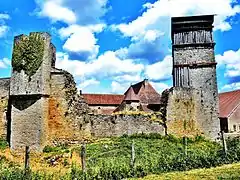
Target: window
{"type": "Point", "coordinates": [234, 128]}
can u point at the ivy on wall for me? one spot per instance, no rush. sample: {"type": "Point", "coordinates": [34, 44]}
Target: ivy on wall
{"type": "Point", "coordinates": [28, 54]}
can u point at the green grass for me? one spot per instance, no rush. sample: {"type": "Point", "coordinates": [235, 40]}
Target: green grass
{"type": "Point", "coordinates": [231, 171]}
{"type": "Point", "coordinates": [155, 154]}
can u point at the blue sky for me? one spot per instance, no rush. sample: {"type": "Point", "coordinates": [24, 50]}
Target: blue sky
{"type": "Point", "coordinates": [109, 44]}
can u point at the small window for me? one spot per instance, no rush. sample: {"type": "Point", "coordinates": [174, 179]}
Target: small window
{"type": "Point", "coordinates": [234, 128]}
{"type": "Point", "coordinates": [239, 128]}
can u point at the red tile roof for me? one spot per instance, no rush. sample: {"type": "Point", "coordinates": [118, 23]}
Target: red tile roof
{"type": "Point", "coordinates": [103, 99]}
{"type": "Point", "coordinates": [130, 95]}
{"type": "Point", "coordinates": [228, 102]}
{"type": "Point", "coordinates": [147, 94]}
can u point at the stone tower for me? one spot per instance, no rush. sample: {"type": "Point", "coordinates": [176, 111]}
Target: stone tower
{"type": "Point", "coordinates": [32, 59]}
{"type": "Point", "coordinates": [194, 67]}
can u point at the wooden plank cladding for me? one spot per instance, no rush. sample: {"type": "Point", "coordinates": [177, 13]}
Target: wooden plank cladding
{"type": "Point", "coordinates": [192, 29]}
{"type": "Point", "coordinates": [193, 37]}
{"type": "Point", "coordinates": [192, 42]}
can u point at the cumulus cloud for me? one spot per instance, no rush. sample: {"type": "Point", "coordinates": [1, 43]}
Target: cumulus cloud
{"type": "Point", "coordinates": [84, 22]}
{"type": "Point", "coordinates": [231, 60]}
{"type": "Point", "coordinates": [3, 28]}
{"type": "Point", "coordinates": [160, 87]}
{"type": "Point", "coordinates": [165, 8]}
{"type": "Point", "coordinates": [119, 72]}
{"type": "Point", "coordinates": [5, 63]}
{"type": "Point", "coordinates": [87, 83]}
{"type": "Point", "coordinates": [73, 11]}
{"type": "Point", "coordinates": [4, 16]}
{"type": "Point", "coordinates": [55, 10]}
{"type": "Point", "coordinates": [106, 65]}
{"type": "Point", "coordinates": [161, 70]}
{"type": "Point", "coordinates": [230, 87]}
{"type": "Point", "coordinates": [119, 87]}
{"type": "Point", "coordinates": [153, 25]}
{"type": "Point", "coordinates": [81, 39]}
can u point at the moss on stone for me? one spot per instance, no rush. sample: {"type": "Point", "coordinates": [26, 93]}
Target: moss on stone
{"type": "Point", "coordinates": [28, 54]}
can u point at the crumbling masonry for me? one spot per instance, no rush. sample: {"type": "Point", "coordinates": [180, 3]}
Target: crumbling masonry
{"type": "Point", "coordinates": [39, 104]}
{"type": "Point", "coordinates": [193, 101]}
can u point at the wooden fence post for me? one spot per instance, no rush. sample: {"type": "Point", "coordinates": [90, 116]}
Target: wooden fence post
{"type": "Point", "coordinates": [83, 157]}
{"type": "Point", "coordinates": [27, 152]}
{"type": "Point", "coordinates": [185, 145]}
{"type": "Point", "coordinates": [133, 155]}
{"type": "Point", "coordinates": [224, 143]}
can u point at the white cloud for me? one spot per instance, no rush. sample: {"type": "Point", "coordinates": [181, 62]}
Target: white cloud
{"type": "Point", "coordinates": [231, 60]}
{"type": "Point", "coordinates": [88, 82]}
{"type": "Point", "coordinates": [161, 70]}
{"type": "Point", "coordinates": [152, 35]}
{"type": "Point", "coordinates": [82, 12]}
{"type": "Point", "coordinates": [5, 63]}
{"type": "Point", "coordinates": [160, 87]}
{"type": "Point", "coordinates": [3, 30]}
{"type": "Point", "coordinates": [106, 65]}
{"type": "Point", "coordinates": [4, 16]}
{"type": "Point", "coordinates": [2, 65]}
{"type": "Point", "coordinates": [230, 87]}
{"type": "Point", "coordinates": [150, 32]}
{"type": "Point", "coordinates": [169, 8]}
{"type": "Point", "coordinates": [119, 72]}
{"type": "Point", "coordinates": [128, 78]}
{"type": "Point", "coordinates": [84, 21]}
{"type": "Point", "coordinates": [119, 87]}
{"type": "Point", "coordinates": [81, 39]}
{"type": "Point", "coordinates": [55, 10]}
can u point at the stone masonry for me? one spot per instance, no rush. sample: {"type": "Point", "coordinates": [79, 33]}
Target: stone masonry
{"type": "Point", "coordinates": [4, 96]}
{"type": "Point", "coordinates": [29, 90]}
{"type": "Point", "coordinates": [194, 67]}
{"type": "Point", "coordinates": [40, 105]}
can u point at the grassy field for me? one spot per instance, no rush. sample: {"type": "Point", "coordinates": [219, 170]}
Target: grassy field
{"type": "Point", "coordinates": [111, 159]}
{"type": "Point", "coordinates": [230, 171]}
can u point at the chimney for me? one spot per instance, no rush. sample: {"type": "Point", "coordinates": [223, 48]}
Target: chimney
{"type": "Point", "coordinates": [80, 92]}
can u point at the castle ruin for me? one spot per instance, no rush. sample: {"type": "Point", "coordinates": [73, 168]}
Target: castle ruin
{"type": "Point", "coordinates": [39, 104]}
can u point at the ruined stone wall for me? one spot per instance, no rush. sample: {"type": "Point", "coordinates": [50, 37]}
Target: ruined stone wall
{"type": "Point", "coordinates": [181, 113]}
{"type": "Point", "coordinates": [31, 76]}
{"type": "Point", "coordinates": [66, 108]}
{"type": "Point", "coordinates": [4, 96]}
{"type": "Point", "coordinates": [58, 127]}
{"type": "Point", "coordinates": [29, 124]}
{"type": "Point", "coordinates": [70, 123]}
{"type": "Point", "coordinates": [188, 113]}
{"type": "Point", "coordinates": [118, 125]}
{"type": "Point", "coordinates": [29, 91]}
